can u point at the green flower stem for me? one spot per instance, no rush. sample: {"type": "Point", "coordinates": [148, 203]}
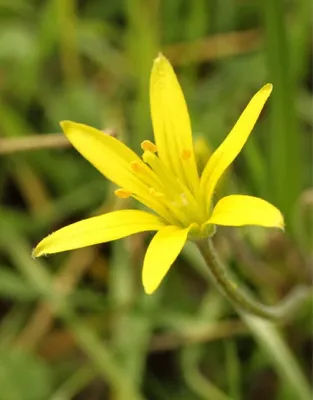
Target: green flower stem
{"type": "Point", "coordinates": [243, 300]}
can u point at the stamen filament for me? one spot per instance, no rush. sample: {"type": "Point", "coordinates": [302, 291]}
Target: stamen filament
{"type": "Point", "coordinates": [179, 199]}
{"type": "Point", "coordinates": [154, 193]}
{"type": "Point", "coordinates": [146, 175]}
{"type": "Point", "coordinates": [158, 191]}
{"type": "Point", "coordinates": [160, 170]}
{"type": "Point", "coordinates": [161, 209]}
{"type": "Point", "coordinates": [190, 170]}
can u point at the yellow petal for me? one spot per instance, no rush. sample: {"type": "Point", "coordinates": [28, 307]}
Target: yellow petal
{"type": "Point", "coordinates": [162, 252]}
{"type": "Point", "coordinates": [104, 228]}
{"type": "Point", "coordinates": [109, 155]}
{"type": "Point", "coordinates": [171, 123]}
{"type": "Point", "coordinates": [232, 145]}
{"type": "Point", "coordinates": [238, 210]}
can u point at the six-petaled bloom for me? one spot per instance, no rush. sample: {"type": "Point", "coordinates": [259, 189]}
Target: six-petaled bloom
{"type": "Point", "coordinates": [165, 180]}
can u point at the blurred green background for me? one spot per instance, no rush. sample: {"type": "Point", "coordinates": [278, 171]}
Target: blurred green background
{"type": "Point", "coordinates": [78, 325]}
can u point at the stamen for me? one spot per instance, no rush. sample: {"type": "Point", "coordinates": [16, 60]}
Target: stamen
{"type": "Point", "coordinates": [176, 197]}
{"type": "Point", "coordinates": [146, 145]}
{"type": "Point", "coordinates": [145, 174]}
{"type": "Point", "coordinates": [136, 166]}
{"type": "Point", "coordinates": [122, 193]}
{"type": "Point", "coordinates": [154, 193]}
{"type": "Point", "coordinates": [165, 175]}
{"type": "Point", "coordinates": [186, 154]}
{"type": "Point", "coordinates": [148, 157]}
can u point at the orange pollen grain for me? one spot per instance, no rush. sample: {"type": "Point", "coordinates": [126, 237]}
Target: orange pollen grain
{"type": "Point", "coordinates": [146, 145]}
{"type": "Point", "coordinates": [122, 193]}
{"type": "Point", "coordinates": [186, 154]}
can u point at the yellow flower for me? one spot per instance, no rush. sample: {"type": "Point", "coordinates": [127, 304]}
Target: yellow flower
{"type": "Point", "coordinates": [165, 179]}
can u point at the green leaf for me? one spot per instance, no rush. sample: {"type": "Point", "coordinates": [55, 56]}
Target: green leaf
{"type": "Point", "coordinates": [23, 376]}
{"type": "Point", "coordinates": [13, 286]}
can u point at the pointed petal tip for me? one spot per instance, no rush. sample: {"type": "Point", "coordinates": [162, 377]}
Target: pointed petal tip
{"type": "Point", "coordinates": [161, 63]}
{"type": "Point", "coordinates": [281, 223]}
{"type": "Point", "coordinates": [36, 253]}
{"type": "Point", "coordinates": [41, 249]}
{"type": "Point", "coordinates": [149, 286]}
{"type": "Point", "coordinates": [267, 88]}
{"type": "Point", "coordinates": [148, 290]}
{"type": "Point", "coordinates": [65, 125]}
{"type": "Point", "coordinates": [159, 57]}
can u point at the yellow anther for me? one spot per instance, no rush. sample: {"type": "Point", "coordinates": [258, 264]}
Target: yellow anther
{"type": "Point", "coordinates": [154, 193]}
{"type": "Point", "coordinates": [122, 193]}
{"type": "Point", "coordinates": [135, 166]}
{"type": "Point", "coordinates": [146, 145]}
{"type": "Point", "coordinates": [186, 154]}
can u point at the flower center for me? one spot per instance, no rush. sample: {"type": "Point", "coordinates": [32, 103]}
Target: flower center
{"type": "Point", "coordinates": [164, 187]}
